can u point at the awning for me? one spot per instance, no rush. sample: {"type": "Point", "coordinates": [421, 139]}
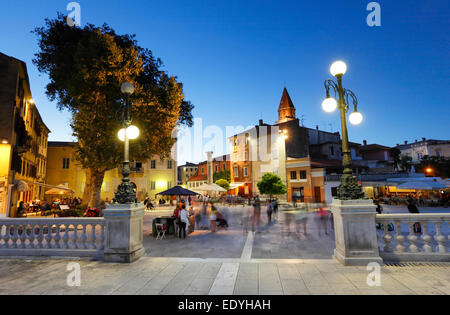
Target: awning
{"type": "Point", "coordinates": [236, 185]}
{"type": "Point", "coordinates": [422, 185]}
{"type": "Point", "coordinates": [210, 188]}
{"type": "Point", "coordinates": [59, 190]}
{"type": "Point", "coordinates": [377, 184]}
{"type": "Point", "coordinates": [60, 187]}
{"type": "Point", "coordinates": [21, 185]}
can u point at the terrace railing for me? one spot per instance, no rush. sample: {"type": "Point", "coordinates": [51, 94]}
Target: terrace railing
{"type": "Point", "coordinates": [68, 237]}
{"type": "Point", "coordinates": [414, 237]}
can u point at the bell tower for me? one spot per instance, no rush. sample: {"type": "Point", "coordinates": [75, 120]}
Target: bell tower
{"type": "Point", "coordinates": [286, 111]}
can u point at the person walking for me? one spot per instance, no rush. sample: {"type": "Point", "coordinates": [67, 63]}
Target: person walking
{"type": "Point", "coordinates": [275, 209]}
{"type": "Point", "coordinates": [412, 208]}
{"type": "Point", "coordinates": [269, 211]}
{"type": "Point", "coordinates": [256, 213]}
{"type": "Point", "coordinates": [213, 218]}
{"type": "Point", "coordinates": [322, 216]}
{"type": "Point", "coordinates": [183, 222]}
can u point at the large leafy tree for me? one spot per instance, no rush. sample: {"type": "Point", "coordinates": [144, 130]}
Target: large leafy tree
{"type": "Point", "coordinates": [86, 67]}
{"type": "Point", "coordinates": [223, 183]}
{"type": "Point", "coordinates": [271, 184]}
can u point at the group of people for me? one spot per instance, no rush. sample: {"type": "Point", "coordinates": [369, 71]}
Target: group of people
{"type": "Point", "coordinates": [206, 216]}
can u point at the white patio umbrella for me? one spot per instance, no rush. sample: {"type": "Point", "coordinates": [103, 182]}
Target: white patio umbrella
{"type": "Point", "coordinates": [210, 188]}
{"type": "Point", "coordinates": [422, 185]}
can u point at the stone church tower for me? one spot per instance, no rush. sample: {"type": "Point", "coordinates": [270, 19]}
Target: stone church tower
{"type": "Point", "coordinates": [286, 111]}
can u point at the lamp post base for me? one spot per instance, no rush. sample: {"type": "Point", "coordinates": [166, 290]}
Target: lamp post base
{"type": "Point", "coordinates": [355, 232]}
{"type": "Point", "coordinates": [124, 225]}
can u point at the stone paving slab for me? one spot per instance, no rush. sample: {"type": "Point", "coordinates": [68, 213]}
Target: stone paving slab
{"type": "Point", "coordinates": [178, 276]}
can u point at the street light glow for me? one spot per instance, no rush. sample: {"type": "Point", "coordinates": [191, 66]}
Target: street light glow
{"type": "Point", "coordinates": [355, 118]}
{"type": "Point", "coordinates": [338, 68]}
{"type": "Point", "coordinates": [121, 135]}
{"type": "Point", "coordinates": [329, 105]}
{"type": "Point", "coordinates": [132, 133]}
{"type": "Point", "coordinates": [127, 88]}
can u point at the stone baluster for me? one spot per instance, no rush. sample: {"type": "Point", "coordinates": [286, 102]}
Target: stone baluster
{"type": "Point", "coordinates": [427, 238]}
{"type": "Point", "coordinates": [40, 237]}
{"type": "Point", "coordinates": [58, 236]}
{"type": "Point", "coordinates": [75, 236]}
{"type": "Point", "coordinates": [400, 238]}
{"type": "Point", "coordinates": [440, 238]}
{"type": "Point", "coordinates": [6, 236]}
{"type": "Point", "coordinates": [32, 236]}
{"type": "Point", "coordinates": [66, 236]}
{"type": "Point", "coordinates": [93, 243]}
{"type": "Point", "coordinates": [15, 236]}
{"type": "Point", "coordinates": [48, 238]}
{"type": "Point", "coordinates": [23, 236]}
{"type": "Point", "coordinates": [84, 237]}
{"type": "Point", "coordinates": [387, 238]}
{"type": "Point", "coordinates": [102, 237]}
{"type": "Point", "coordinates": [412, 238]}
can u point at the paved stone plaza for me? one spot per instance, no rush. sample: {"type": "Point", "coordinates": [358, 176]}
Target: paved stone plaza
{"type": "Point", "coordinates": [273, 261]}
{"type": "Point", "coordinates": [178, 276]}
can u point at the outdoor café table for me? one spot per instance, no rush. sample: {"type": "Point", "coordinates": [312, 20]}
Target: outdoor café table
{"type": "Point", "coordinates": [168, 221]}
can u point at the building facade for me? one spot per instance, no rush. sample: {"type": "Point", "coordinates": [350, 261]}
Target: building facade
{"type": "Point", "coordinates": [185, 172]}
{"type": "Point", "coordinates": [23, 139]}
{"type": "Point", "coordinates": [267, 148]}
{"type": "Point", "coordinates": [305, 183]}
{"type": "Point", "coordinates": [418, 149]}
{"type": "Point", "coordinates": [218, 165]}
{"type": "Point", "coordinates": [149, 178]}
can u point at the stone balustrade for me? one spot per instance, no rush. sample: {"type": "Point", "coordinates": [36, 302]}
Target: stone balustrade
{"type": "Point", "coordinates": [68, 237]}
{"type": "Point", "coordinates": [399, 242]}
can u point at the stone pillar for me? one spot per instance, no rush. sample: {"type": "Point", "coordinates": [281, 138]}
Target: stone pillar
{"type": "Point", "coordinates": [124, 232]}
{"type": "Point", "coordinates": [210, 167]}
{"type": "Point", "coordinates": [355, 232]}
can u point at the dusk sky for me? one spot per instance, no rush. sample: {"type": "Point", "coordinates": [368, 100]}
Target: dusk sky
{"type": "Point", "coordinates": [235, 57]}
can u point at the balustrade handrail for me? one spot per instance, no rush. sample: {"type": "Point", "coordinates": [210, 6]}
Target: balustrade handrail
{"type": "Point", "coordinates": [21, 221]}
{"type": "Point", "coordinates": [408, 217]}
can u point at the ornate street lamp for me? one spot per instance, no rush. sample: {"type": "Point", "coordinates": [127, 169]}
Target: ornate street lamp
{"type": "Point", "coordinates": [125, 193]}
{"type": "Point", "coordinates": [349, 188]}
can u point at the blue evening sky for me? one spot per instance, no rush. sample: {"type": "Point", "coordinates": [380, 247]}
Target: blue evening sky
{"type": "Point", "coordinates": [235, 57]}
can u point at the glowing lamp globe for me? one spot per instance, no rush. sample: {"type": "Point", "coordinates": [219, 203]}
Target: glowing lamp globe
{"type": "Point", "coordinates": [121, 134]}
{"type": "Point", "coordinates": [132, 132]}
{"type": "Point", "coordinates": [355, 118]}
{"type": "Point", "coordinates": [127, 88]}
{"type": "Point", "coordinates": [329, 105]}
{"type": "Point", "coordinates": [338, 68]}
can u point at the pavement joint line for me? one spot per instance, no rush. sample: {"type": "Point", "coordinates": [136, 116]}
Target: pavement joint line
{"type": "Point", "coordinates": [248, 247]}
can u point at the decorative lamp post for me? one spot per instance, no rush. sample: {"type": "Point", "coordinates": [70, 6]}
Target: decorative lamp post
{"type": "Point", "coordinates": [349, 188]}
{"type": "Point", "coordinates": [125, 193]}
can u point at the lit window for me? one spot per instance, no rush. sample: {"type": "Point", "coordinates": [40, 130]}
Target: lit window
{"type": "Point", "coordinates": [236, 172]}
{"type": "Point", "coordinates": [293, 175]}
{"type": "Point", "coordinates": [66, 163]}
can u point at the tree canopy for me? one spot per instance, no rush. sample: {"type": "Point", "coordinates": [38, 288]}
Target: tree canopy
{"type": "Point", "coordinates": [271, 184]}
{"type": "Point", "coordinates": [223, 183]}
{"type": "Point", "coordinates": [226, 175]}
{"type": "Point", "coordinates": [86, 67]}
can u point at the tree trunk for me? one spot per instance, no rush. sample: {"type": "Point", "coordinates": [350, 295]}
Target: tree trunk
{"type": "Point", "coordinates": [93, 187]}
